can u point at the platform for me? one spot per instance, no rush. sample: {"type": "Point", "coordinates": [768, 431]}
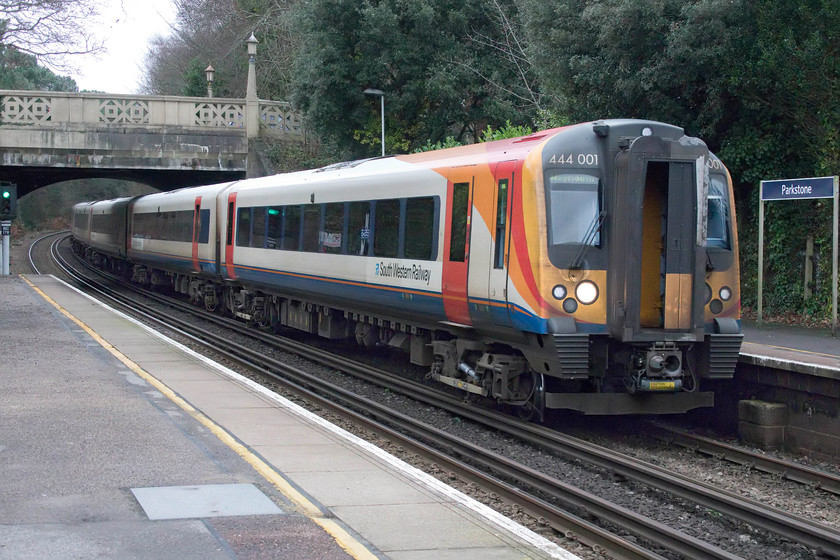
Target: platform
{"type": "Point", "coordinates": [116, 442]}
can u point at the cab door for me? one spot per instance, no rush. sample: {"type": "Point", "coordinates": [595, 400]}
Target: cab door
{"type": "Point", "coordinates": [456, 251]}
{"type": "Point", "coordinates": [489, 240]}
{"type": "Point", "coordinates": [498, 269]}
{"type": "Point", "coordinates": [196, 234]}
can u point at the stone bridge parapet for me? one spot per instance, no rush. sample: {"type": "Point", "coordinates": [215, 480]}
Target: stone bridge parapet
{"type": "Point", "coordinates": [164, 141]}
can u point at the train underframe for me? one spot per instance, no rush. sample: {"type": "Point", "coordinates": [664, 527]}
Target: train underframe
{"type": "Point", "coordinates": [592, 374]}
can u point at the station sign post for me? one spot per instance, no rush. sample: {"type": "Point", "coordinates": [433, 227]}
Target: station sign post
{"type": "Point", "coordinates": [799, 189]}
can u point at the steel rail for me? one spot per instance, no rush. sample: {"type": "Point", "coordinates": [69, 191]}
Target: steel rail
{"type": "Point", "coordinates": [34, 244]}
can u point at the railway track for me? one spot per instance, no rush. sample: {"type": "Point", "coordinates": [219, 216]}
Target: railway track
{"type": "Point", "coordinates": [778, 467]}
{"type": "Point", "coordinates": [496, 472]}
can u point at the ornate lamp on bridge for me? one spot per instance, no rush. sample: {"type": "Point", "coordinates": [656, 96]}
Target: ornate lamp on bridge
{"type": "Point", "coordinates": [252, 106]}
{"type": "Point", "coordinates": [210, 73]}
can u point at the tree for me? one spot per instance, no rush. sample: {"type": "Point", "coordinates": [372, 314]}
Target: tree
{"type": "Point", "coordinates": [215, 32]}
{"type": "Point", "coordinates": [436, 60]}
{"type": "Point", "coordinates": [21, 71]}
{"type": "Point", "coordinates": [49, 29]}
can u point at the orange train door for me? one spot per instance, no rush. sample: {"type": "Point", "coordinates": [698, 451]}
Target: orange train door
{"type": "Point", "coordinates": [456, 249]}
{"type": "Point", "coordinates": [196, 232]}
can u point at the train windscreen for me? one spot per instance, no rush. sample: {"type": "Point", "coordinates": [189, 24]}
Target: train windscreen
{"type": "Point", "coordinates": [574, 208]}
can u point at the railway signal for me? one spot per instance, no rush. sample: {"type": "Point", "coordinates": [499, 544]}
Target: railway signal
{"type": "Point", "coordinates": [8, 201]}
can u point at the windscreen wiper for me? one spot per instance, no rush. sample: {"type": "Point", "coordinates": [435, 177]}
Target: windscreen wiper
{"type": "Point", "coordinates": [591, 232]}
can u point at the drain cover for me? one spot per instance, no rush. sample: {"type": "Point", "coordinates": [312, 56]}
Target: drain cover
{"type": "Point", "coordinates": [212, 500]}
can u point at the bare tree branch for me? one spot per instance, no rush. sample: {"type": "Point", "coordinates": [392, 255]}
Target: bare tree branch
{"type": "Point", "coordinates": [51, 30]}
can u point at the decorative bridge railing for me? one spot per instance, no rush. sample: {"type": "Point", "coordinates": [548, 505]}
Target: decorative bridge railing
{"type": "Point", "coordinates": [58, 109]}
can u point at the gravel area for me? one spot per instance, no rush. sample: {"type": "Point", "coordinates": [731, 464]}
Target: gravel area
{"type": "Point", "coordinates": [707, 525]}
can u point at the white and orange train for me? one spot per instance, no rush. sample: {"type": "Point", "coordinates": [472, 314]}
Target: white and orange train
{"type": "Point", "coordinates": [592, 267]}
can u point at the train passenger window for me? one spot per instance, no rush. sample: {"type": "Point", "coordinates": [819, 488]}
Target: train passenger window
{"type": "Point", "coordinates": [419, 228]}
{"type": "Point", "coordinates": [358, 228]}
{"type": "Point", "coordinates": [460, 209]}
{"type": "Point", "coordinates": [332, 236]}
{"type": "Point", "coordinates": [291, 228]}
{"type": "Point", "coordinates": [311, 228]}
{"type": "Point", "coordinates": [204, 235]}
{"type": "Point", "coordinates": [717, 217]}
{"type": "Point", "coordinates": [275, 227]}
{"type": "Point", "coordinates": [243, 227]}
{"type": "Point", "coordinates": [386, 228]}
{"type": "Point", "coordinates": [258, 229]}
{"type": "Point", "coordinates": [501, 226]}
{"type": "Point", "coordinates": [574, 204]}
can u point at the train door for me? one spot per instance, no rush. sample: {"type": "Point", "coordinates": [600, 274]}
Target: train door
{"type": "Point", "coordinates": [656, 267]}
{"type": "Point", "coordinates": [496, 270]}
{"type": "Point", "coordinates": [196, 234]}
{"type": "Point", "coordinates": [456, 252]}
{"type": "Point", "coordinates": [230, 229]}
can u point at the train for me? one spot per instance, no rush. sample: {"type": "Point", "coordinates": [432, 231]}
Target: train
{"type": "Point", "coordinates": [591, 268]}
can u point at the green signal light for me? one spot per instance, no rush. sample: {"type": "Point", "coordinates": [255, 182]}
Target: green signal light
{"type": "Point", "coordinates": [6, 194]}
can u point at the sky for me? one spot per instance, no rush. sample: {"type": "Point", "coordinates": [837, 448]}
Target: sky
{"type": "Point", "coordinates": [125, 26]}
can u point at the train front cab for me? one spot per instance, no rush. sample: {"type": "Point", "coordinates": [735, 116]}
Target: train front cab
{"type": "Point", "coordinates": [672, 291]}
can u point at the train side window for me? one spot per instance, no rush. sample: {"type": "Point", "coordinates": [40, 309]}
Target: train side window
{"type": "Point", "coordinates": [501, 225]}
{"type": "Point", "coordinates": [258, 229]}
{"type": "Point", "coordinates": [386, 228]}
{"type": "Point", "coordinates": [243, 227]}
{"type": "Point", "coordinates": [275, 227]}
{"type": "Point", "coordinates": [717, 216]}
{"type": "Point", "coordinates": [358, 228]}
{"type": "Point", "coordinates": [458, 234]}
{"type": "Point", "coordinates": [311, 227]}
{"type": "Point", "coordinates": [419, 228]}
{"type": "Point", "coordinates": [574, 203]}
{"type": "Point", "coordinates": [204, 236]}
{"type": "Point", "coordinates": [332, 236]}
{"type": "Point", "coordinates": [291, 228]}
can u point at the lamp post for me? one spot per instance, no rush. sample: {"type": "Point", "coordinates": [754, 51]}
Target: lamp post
{"type": "Point", "coordinates": [381, 95]}
{"type": "Point", "coordinates": [252, 106]}
{"type": "Point", "coordinates": [210, 73]}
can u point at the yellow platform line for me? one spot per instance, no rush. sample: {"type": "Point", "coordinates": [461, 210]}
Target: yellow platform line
{"type": "Point", "coordinates": [344, 539]}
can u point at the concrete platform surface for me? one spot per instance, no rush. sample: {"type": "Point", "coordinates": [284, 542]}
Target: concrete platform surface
{"type": "Point", "coordinates": [116, 442]}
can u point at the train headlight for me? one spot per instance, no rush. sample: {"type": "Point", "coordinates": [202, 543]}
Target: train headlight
{"type": "Point", "coordinates": [725, 293]}
{"type": "Point", "coordinates": [586, 292]}
{"type": "Point", "coordinates": [559, 292]}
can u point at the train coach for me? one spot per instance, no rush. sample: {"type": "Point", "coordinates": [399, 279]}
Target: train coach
{"type": "Point", "coordinates": [592, 267]}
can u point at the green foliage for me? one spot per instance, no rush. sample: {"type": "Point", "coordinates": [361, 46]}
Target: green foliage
{"type": "Point", "coordinates": [437, 81]}
{"type": "Point", "coordinates": [286, 156]}
{"type": "Point", "coordinates": [507, 130]}
{"type": "Point", "coordinates": [448, 142]}
{"type": "Point", "coordinates": [195, 81]}
{"type": "Point", "coordinates": [21, 71]}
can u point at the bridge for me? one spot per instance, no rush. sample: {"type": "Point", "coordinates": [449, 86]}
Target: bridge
{"type": "Point", "coordinates": [166, 142]}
